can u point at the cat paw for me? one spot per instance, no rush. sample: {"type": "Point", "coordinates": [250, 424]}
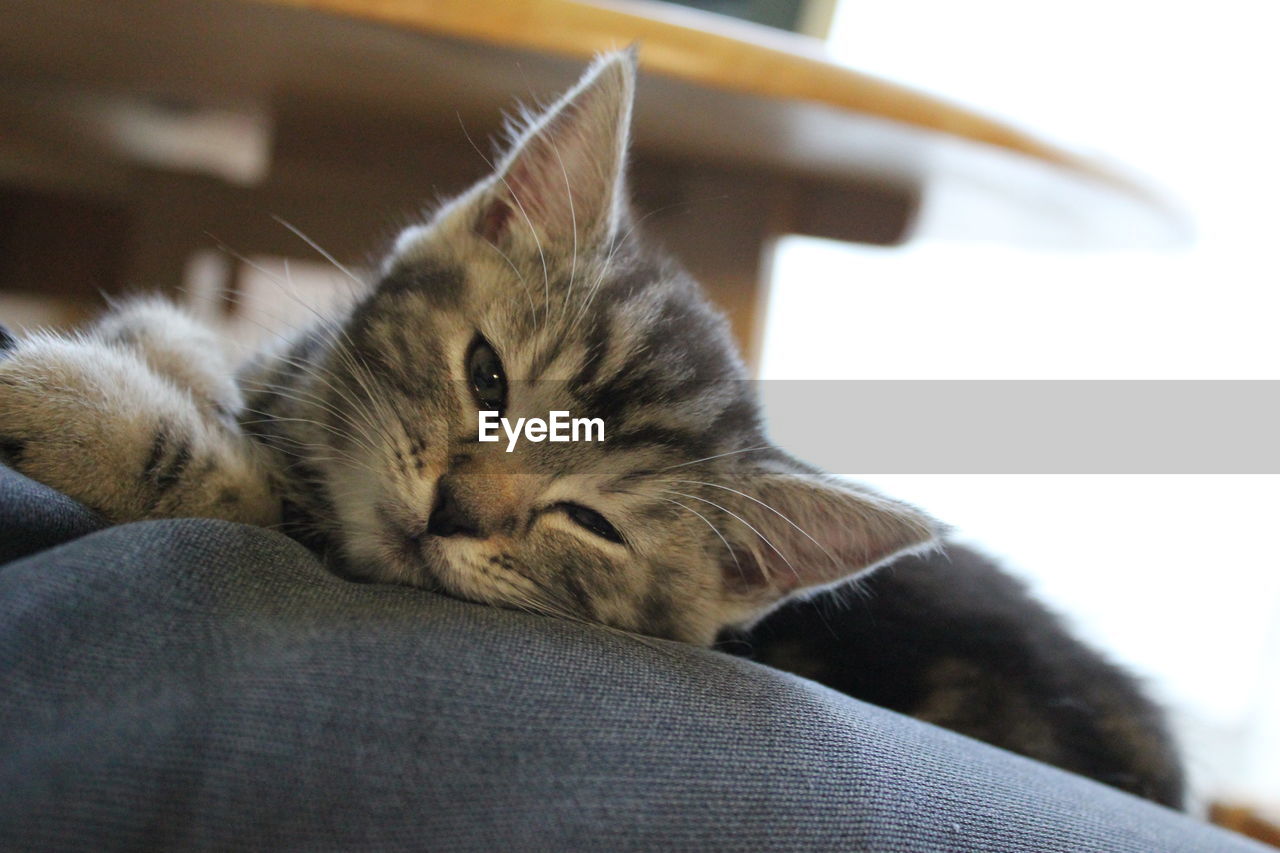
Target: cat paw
{"type": "Point", "coordinates": [174, 345]}
{"type": "Point", "coordinates": [97, 423]}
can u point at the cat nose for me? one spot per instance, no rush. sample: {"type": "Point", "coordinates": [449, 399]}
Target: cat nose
{"type": "Point", "coordinates": [450, 518]}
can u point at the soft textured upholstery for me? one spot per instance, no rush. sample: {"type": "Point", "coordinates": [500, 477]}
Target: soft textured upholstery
{"type": "Point", "coordinates": [201, 685]}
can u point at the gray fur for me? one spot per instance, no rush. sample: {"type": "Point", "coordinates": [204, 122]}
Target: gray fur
{"type": "Point", "coordinates": [365, 425]}
{"type": "Point", "coordinates": [542, 261]}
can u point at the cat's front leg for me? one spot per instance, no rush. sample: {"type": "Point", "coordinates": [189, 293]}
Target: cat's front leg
{"type": "Point", "coordinates": [176, 346]}
{"type": "Point", "coordinates": [97, 421]}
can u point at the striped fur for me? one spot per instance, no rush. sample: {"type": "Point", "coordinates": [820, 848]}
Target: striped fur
{"type": "Point", "coordinates": [135, 417]}
{"type": "Point", "coordinates": [541, 259]}
{"type": "Point", "coordinates": [364, 427]}
{"type": "Point", "coordinates": [360, 434]}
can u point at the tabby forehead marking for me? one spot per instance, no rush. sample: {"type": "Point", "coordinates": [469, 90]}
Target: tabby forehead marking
{"type": "Point", "coordinates": [683, 520]}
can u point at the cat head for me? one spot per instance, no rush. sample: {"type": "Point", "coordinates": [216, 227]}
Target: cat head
{"type": "Point", "coordinates": [531, 293]}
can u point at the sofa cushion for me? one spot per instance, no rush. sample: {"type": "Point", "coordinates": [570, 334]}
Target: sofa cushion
{"type": "Point", "coordinates": [197, 684]}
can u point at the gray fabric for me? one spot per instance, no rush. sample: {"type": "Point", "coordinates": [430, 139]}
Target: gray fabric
{"type": "Point", "coordinates": [202, 685]}
{"type": "Point", "coordinates": [33, 517]}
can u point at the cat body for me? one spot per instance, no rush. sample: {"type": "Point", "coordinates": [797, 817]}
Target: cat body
{"type": "Point", "coordinates": [530, 293]}
{"type": "Point", "coordinates": [949, 638]}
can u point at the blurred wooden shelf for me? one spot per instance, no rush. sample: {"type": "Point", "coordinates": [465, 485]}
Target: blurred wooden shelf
{"type": "Point", "coordinates": [741, 132]}
{"type": "Point", "coordinates": [704, 50]}
{"type": "Point", "coordinates": [716, 90]}
{"type": "Point", "coordinates": [1245, 820]}
{"type": "Point", "coordinates": [803, 113]}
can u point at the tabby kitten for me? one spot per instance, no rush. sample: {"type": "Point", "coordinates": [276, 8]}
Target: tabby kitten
{"type": "Point", "coordinates": [527, 294]}
{"type": "Point", "coordinates": [530, 293]}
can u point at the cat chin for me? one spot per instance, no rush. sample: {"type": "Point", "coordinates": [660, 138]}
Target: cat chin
{"type": "Point", "coordinates": [387, 557]}
{"type": "Point", "coordinates": [376, 556]}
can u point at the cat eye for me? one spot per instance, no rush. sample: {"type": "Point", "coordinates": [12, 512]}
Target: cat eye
{"type": "Point", "coordinates": [593, 521]}
{"type": "Point", "coordinates": [484, 373]}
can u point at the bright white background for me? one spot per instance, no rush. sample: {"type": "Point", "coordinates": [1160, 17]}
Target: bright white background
{"type": "Point", "coordinates": [1176, 576]}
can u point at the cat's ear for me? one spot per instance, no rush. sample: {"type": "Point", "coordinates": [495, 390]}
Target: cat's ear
{"type": "Point", "coordinates": [795, 530]}
{"type": "Point", "coordinates": [563, 180]}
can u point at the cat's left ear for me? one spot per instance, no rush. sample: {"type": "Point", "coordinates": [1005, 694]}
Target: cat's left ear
{"type": "Point", "coordinates": [797, 529]}
{"type": "Point", "coordinates": [563, 180]}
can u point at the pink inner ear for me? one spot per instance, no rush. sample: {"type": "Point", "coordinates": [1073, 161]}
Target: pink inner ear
{"type": "Point", "coordinates": [493, 220]}
{"type": "Point", "coordinates": [545, 173]}
{"type": "Point", "coordinates": [829, 532]}
{"type": "Point", "coordinates": [742, 572]}
{"type": "Point", "coordinates": [562, 178]}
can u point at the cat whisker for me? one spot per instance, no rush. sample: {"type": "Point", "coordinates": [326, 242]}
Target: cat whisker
{"type": "Point", "coordinates": [358, 372]}
{"type": "Point", "coordinates": [654, 643]}
{"type": "Point", "coordinates": [323, 253]}
{"type": "Point", "coordinates": [715, 530]}
{"type": "Point", "coordinates": [307, 398]}
{"type": "Point", "coordinates": [273, 439]}
{"type": "Point", "coordinates": [326, 327]}
{"type": "Point", "coordinates": [322, 321]}
{"type": "Point", "coordinates": [746, 523]}
{"type": "Point", "coordinates": [288, 447]}
{"type": "Point", "coordinates": [573, 218]}
{"type": "Point", "coordinates": [524, 285]}
{"type": "Point", "coordinates": [285, 284]}
{"type": "Point", "coordinates": [548, 603]}
{"type": "Point", "coordinates": [287, 288]}
{"type": "Point", "coordinates": [773, 510]}
{"type": "Point", "coordinates": [268, 417]}
{"type": "Point", "coordinates": [370, 422]}
{"type": "Point", "coordinates": [717, 456]}
{"type": "Point", "coordinates": [604, 269]}
{"type": "Point", "coordinates": [362, 428]}
{"type": "Point", "coordinates": [546, 275]}
{"type": "Point", "coordinates": [333, 330]}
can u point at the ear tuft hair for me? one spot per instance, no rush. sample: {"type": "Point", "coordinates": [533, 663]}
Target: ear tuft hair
{"type": "Point", "coordinates": [563, 179]}
{"type": "Point", "coordinates": [801, 530]}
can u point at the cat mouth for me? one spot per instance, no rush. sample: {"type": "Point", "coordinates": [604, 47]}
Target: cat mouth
{"type": "Point", "coordinates": [421, 562]}
{"type": "Point", "coordinates": [419, 559]}
{"type": "Point", "coordinates": [424, 564]}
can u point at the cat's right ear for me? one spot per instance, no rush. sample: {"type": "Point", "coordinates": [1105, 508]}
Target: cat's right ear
{"type": "Point", "coordinates": [562, 182]}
